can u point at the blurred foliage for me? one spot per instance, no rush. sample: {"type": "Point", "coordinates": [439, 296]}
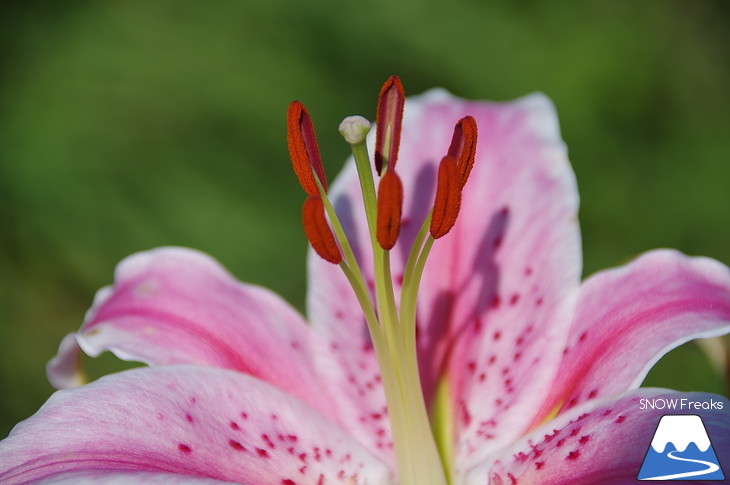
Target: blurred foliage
{"type": "Point", "coordinates": [129, 125]}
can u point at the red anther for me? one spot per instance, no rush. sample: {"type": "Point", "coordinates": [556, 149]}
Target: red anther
{"type": "Point", "coordinates": [448, 198]}
{"type": "Point", "coordinates": [463, 146]}
{"type": "Point", "coordinates": [303, 148]}
{"type": "Point", "coordinates": [390, 115]}
{"type": "Point", "coordinates": [390, 204]}
{"type": "Point", "coordinates": [318, 231]}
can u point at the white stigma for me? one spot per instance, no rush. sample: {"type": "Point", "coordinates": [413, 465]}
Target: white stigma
{"type": "Point", "coordinates": [354, 129]}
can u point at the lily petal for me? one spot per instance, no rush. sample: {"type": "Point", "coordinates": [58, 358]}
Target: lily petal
{"type": "Point", "coordinates": [188, 420]}
{"type": "Point", "coordinates": [175, 305]}
{"type": "Point", "coordinates": [494, 288]}
{"type": "Point", "coordinates": [504, 280]}
{"type": "Point", "coordinates": [629, 317]}
{"type": "Point", "coordinates": [602, 442]}
{"type": "Point", "coordinates": [103, 477]}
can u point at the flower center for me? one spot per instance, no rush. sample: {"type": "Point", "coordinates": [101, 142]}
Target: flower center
{"type": "Point", "coordinates": [392, 325]}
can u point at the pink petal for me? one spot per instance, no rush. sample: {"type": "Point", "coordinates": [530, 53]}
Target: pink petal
{"type": "Point", "coordinates": [627, 318]}
{"type": "Point", "coordinates": [603, 443]}
{"type": "Point", "coordinates": [175, 305]}
{"type": "Point", "coordinates": [186, 420]}
{"type": "Point", "coordinates": [495, 287]}
{"type": "Point", "coordinates": [105, 477]}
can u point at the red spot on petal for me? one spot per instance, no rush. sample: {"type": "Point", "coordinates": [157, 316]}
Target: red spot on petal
{"type": "Point", "coordinates": [514, 299]}
{"type": "Point", "coordinates": [236, 445]}
{"type": "Point", "coordinates": [497, 335]}
{"type": "Point", "coordinates": [539, 464]}
{"type": "Point", "coordinates": [268, 441]}
{"type": "Point", "coordinates": [189, 418]}
{"type": "Point", "coordinates": [496, 301]}
{"type": "Point", "coordinates": [184, 448]}
{"type": "Point", "coordinates": [573, 455]}
{"type": "Point", "coordinates": [288, 482]}
{"type": "Point", "coordinates": [593, 394]}
{"type": "Point", "coordinates": [582, 337]}
{"type": "Point", "coordinates": [244, 415]}
{"type": "Point", "coordinates": [584, 439]}
{"type": "Point", "coordinates": [472, 366]}
{"type": "Point", "coordinates": [620, 419]}
{"type": "Point", "coordinates": [234, 425]}
{"type": "Point", "coordinates": [262, 453]}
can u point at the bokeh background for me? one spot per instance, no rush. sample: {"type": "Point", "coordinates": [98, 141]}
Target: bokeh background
{"type": "Point", "coordinates": [130, 125]}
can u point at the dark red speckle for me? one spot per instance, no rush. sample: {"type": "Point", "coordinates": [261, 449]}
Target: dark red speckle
{"type": "Point", "coordinates": [497, 335]}
{"type": "Point", "coordinates": [620, 419]}
{"type": "Point", "coordinates": [496, 301]}
{"type": "Point", "coordinates": [262, 453]}
{"type": "Point", "coordinates": [244, 415]}
{"type": "Point", "coordinates": [288, 482]}
{"type": "Point", "coordinates": [184, 448]}
{"type": "Point", "coordinates": [189, 418]}
{"type": "Point", "coordinates": [584, 439]}
{"type": "Point", "coordinates": [582, 337]}
{"type": "Point", "coordinates": [236, 445]}
{"type": "Point", "coordinates": [234, 425]}
{"type": "Point", "coordinates": [539, 464]}
{"type": "Point", "coordinates": [573, 455]}
{"type": "Point", "coordinates": [268, 441]}
{"type": "Point", "coordinates": [514, 299]}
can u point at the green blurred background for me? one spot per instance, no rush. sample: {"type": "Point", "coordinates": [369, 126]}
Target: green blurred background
{"type": "Point", "coordinates": [129, 125]}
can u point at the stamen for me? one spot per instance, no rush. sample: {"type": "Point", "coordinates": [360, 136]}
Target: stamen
{"type": "Point", "coordinates": [318, 231]}
{"type": "Point", "coordinates": [390, 203]}
{"type": "Point", "coordinates": [388, 123]}
{"type": "Point", "coordinates": [448, 198]}
{"type": "Point", "coordinates": [463, 146]}
{"type": "Point", "coordinates": [303, 149]}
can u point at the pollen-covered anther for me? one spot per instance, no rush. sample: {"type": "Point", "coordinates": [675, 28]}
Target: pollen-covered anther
{"type": "Point", "coordinates": [448, 198]}
{"type": "Point", "coordinates": [463, 146]}
{"type": "Point", "coordinates": [390, 204]}
{"type": "Point", "coordinates": [318, 231]}
{"type": "Point", "coordinates": [303, 149]}
{"type": "Point", "coordinates": [388, 123]}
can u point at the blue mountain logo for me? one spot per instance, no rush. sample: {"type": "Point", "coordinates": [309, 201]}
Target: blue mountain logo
{"type": "Point", "coordinates": [680, 450]}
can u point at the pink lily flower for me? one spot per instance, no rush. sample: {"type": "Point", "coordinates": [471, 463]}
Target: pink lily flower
{"type": "Point", "coordinates": [505, 369]}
